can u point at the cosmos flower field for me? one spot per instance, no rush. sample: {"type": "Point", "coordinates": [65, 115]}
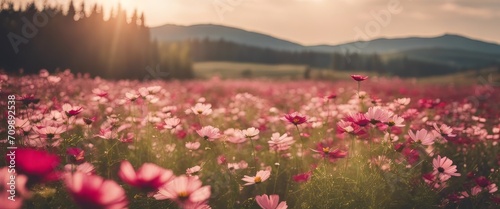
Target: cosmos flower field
{"type": "Point", "coordinates": [364, 142]}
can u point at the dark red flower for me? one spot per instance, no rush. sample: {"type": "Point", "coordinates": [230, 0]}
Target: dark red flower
{"type": "Point", "coordinates": [332, 96]}
{"type": "Point", "coordinates": [358, 118]}
{"type": "Point", "coordinates": [295, 118]}
{"type": "Point", "coordinates": [411, 155]}
{"type": "Point", "coordinates": [327, 152]}
{"type": "Point", "coordinates": [28, 99]}
{"type": "Point", "coordinates": [89, 121]}
{"type": "Point", "coordinates": [482, 181]}
{"type": "Point", "coordinates": [359, 77]}
{"type": "Point", "coordinates": [76, 155]}
{"type": "Point", "coordinates": [39, 166]}
{"type": "Point", "coordinates": [302, 177]}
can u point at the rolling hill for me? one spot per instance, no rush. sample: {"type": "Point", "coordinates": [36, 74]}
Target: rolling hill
{"type": "Point", "coordinates": [450, 50]}
{"type": "Point", "coordinates": [216, 32]}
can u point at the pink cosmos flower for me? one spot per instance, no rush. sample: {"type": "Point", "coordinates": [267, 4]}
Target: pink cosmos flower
{"type": "Point", "coordinates": [261, 176]}
{"type": "Point", "coordinates": [327, 152]}
{"type": "Point", "coordinates": [280, 142]}
{"type": "Point", "coordinates": [422, 136]}
{"type": "Point", "coordinates": [359, 77]}
{"type": "Point", "coordinates": [350, 128]}
{"type": "Point", "coordinates": [100, 95]}
{"type": "Point", "coordinates": [402, 101]}
{"type": "Point", "coordinates": [444, 130]}
{"type": "Point", "coordinates": [107, 133]}
{"type": "Point", "coordinates": [251, 133]}
{"type": "Point", "coordinates": [396, 121]}
{"type": "Point", "coordinates": [148, 177]}
{"type": "Point", "coordinates": [132, 95]}
{"type": "Point", "coordinates": [235, 136]}
{"type": "Point", "coordinates": [270, 202]}
{"type": "Point", "coordinates": [172, 123]}
{"type": "Point", "coordinates": [85, 168]}
{"type": "Point", "coordinates": [6, 183]}
{"type": "Point", "coordinates": [49, 135]}
{"type": "Point", "coordinates": [209, 133]}
{"type": "Point", "coordinates": [377, 115]}
{"type": "Point", "coordinates": [192, 145]}
{"type": "Point", "coordinates": [71, 110]}
{"type": "Point", "coordinates": [193, 170]}
{"type": "Point", "coordinates": [94, 192]}
{"type": "Point", "coordinates": [443, 168]}
{"type": "Point", "coordinates": [357, 118]}
{"type": "Point", "coordinates": [483, 184]}
{"type": "Point", "coordinates": [295, 118]}
{"type": "Point", "coordinates": [202, 109]}
{"type": "Point", "coordinates": [23, 125]}
{"type": "Point", "coordinates": [39, 166]}
{"type": "Point", "coordinates": [237, 166]}
{"type": "Point", "coordinates": [185, 191]}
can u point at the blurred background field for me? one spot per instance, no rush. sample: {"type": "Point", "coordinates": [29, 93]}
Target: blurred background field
{"type": "Point", "coordinates": [235, 70]}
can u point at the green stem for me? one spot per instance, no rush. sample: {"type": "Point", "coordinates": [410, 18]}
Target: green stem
{"type": "Point", "coordinates": [277, 172]}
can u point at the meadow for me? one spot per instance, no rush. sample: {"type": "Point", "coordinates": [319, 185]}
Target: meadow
{"type": "Point", "coordinates": [356, 142]}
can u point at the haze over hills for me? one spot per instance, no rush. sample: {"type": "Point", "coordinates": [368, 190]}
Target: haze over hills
{"type": "Point", "coordinates": [216, 32]}
{"type": "Point", "coordinates": [453, 51]}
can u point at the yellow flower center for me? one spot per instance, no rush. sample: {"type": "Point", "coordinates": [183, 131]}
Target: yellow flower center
{"type": "Point", "coordinates": [326, 150]}
{"type": "Point", "coordinates": [258, 179]}
{"type": "Point", "coordinates": [183, 195]}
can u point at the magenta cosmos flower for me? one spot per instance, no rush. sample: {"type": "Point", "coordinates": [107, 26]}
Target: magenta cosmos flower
{"type": "Point", "coordinates": [185, 191]}
{"type": "Point", "coordinates": [94, 192]}
{"type": "Point", "coordinates": [331, 154]}
{"type": "Point", "coordinates": [443, 168]}
{"type": "Point", "coordinates": [261, 176]}
{"type": "Point", "coordinates": [39, 166]}
{"type": "Point", "coordinates": [295, 118]}
{"type": "Point", "coordinates": [359, 77]}
{"type": "Point", "coordinates": [270, 202]}
{"type": "Point", "coordinates": [148, 177]}
{"type": "Point", "coordinates": [71, 110]}
{"type": "Point", "coordinates": [76, 155]}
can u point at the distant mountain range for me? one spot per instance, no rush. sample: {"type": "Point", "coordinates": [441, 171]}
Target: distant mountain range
{"type": "Point", "coordinates": [448, 49]}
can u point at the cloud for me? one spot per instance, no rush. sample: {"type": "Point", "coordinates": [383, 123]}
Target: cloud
{"type": "Point", "coordinates": [484, 13]}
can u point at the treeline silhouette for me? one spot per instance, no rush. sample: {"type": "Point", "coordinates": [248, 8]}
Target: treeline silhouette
{"type": "Point", "coordinates": [56, 38]}
{"type": "Point", "coordinates": [221, 50]}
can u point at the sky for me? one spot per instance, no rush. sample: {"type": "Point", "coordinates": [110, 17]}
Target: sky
{"type": "Point", "coordinates": [312, 22]}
